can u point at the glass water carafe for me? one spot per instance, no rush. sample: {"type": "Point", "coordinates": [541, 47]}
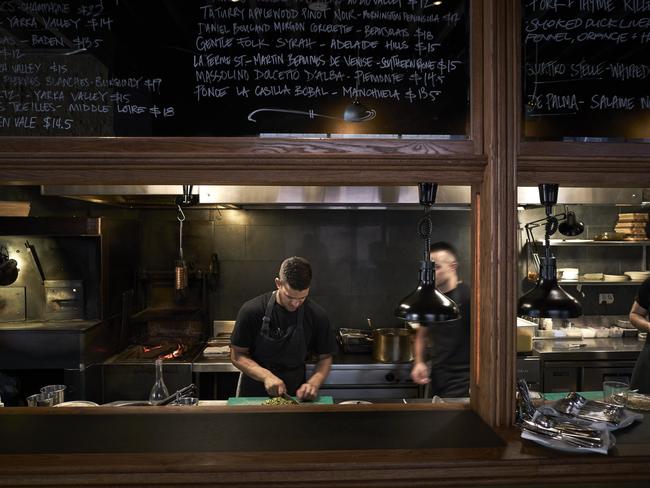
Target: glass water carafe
{"type": "Point", "coordinates": [159, 390]}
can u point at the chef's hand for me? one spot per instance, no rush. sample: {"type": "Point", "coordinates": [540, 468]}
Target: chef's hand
{"type": "Point", "coordinates": [274, 386]}
{"type": "Point", "coordinates": [420, 374]}
{"type": "Point", "coordinates": [307, 392]}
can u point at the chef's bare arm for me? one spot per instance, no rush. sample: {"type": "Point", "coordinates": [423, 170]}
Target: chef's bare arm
{"type": "Point", "coordinates": [639, 317]}
{"type": "Point", "coordinates": [309, 389]}
{"type": "Point", "coordinates": [241, 359]}
{"type": "Point", "coordinates": [321, 370]}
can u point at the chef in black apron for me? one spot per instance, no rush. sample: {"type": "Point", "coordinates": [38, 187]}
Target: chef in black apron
{"type": "Point", "coordinates": [639, 319]}
{"type": "Point", "coordinates": [274, 334]}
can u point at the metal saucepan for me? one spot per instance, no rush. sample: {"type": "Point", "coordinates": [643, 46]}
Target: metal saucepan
{"type": "Point", "coordinates": [393, 345]}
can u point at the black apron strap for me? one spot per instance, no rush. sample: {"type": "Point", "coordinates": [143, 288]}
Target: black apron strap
{"type": "Point", "coordinates": [266, 320]}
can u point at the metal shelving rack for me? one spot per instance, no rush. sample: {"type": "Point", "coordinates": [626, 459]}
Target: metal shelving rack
{"type": "Point", "coordinates": [589, 243]}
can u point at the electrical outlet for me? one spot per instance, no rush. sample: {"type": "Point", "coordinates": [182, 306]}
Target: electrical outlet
{"type": "Point", "coordinates": [606, 298]}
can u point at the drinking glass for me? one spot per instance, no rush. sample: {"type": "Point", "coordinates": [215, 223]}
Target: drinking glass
{"type": "Point", "coordinates": [611, 388]}
{"type": "Point", "coordinates": [39, 400]}
{"type": "Point", "coordinates": [186, 401]}
{"type": "Point", "coordinates": [57, 392]}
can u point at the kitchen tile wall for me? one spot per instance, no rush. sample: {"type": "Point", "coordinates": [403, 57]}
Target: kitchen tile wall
{"type": "Point", "coordinates": [364, 260]}
{"type": "Point", "coordinates": [591, 259]}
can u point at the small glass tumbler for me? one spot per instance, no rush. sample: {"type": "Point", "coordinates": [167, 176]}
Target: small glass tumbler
{"type": "Point", "coordinates": [186, 402]}
{"type": "Point", "coordinates": [39, 400]}
{"type": "Point", "coordinates": [57, 392]}
{"type": "Point", "coordinates": [614, 391]}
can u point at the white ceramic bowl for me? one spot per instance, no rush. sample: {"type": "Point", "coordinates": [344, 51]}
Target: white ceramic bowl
{"type": "Point", "coordinates": [616, 277]}
{"type": "Point", "coordinates": [638, 275]}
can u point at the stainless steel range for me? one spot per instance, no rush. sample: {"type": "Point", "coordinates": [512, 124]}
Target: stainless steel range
{"type": "Point", "coordinates": [358, 377]}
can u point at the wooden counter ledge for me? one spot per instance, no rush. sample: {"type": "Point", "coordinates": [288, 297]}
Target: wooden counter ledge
{"type": "Point", "coordinates": [328, 446]}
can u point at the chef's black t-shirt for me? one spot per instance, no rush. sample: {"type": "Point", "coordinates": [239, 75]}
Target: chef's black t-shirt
{"type": "Point", "coordinates": [643, 295]}
{"type": "Point", "coordinates": [450, 340]}
{"type": "Point", "coordinates": [318, 333]}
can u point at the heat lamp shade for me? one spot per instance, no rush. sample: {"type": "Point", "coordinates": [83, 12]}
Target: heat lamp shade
{"type": "Point", "coordinates": [549, 300]}
{"type": "Point", "coordinates": [571, 226]}
{"type": "Point", "coordinates": [427, 306]}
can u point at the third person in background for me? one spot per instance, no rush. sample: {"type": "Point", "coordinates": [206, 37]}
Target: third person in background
{"type": "Point", "coordinates": [449, 342]}
{"type": "Point", "coordinates": [639, 319]}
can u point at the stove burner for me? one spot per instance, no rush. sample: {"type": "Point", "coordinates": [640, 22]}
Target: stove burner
{"type": "Point", "coordinates": [163, 350]}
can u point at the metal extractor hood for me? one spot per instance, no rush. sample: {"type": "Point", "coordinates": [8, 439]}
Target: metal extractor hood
{"type": "Point", "coordinates": [289, 197]}
{"type": "Point", "coordinates": [529, 195]}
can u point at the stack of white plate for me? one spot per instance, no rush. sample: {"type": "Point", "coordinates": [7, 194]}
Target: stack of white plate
{"type": "Point", "coordinates": [638, 275]}
{"type": "Point", "coordinates": [616, 277]}
{"type": "Point", "coordinates": [593, 276]}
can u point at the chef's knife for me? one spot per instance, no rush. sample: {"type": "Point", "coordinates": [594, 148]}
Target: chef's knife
{"type": "Point", "coordinates": [288, 397]}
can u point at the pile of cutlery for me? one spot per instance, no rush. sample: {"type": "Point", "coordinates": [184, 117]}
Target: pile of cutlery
{"type": "Point", "coordinates": [578, 406]}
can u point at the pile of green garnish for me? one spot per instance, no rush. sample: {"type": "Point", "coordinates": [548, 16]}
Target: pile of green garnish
{"type": "Point", "coordinates": [277, 401]}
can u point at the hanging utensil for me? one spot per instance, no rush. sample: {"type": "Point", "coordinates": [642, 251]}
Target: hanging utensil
{"type": "Point", "coordinates": [180, 270]}
{"type": "Point", "coordinates": [37, 262]}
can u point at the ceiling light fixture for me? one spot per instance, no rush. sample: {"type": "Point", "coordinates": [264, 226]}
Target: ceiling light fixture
{"type": "Point", "coordinates": [426, 305]}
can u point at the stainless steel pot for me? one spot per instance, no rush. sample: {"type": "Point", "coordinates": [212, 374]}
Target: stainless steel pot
{"type": "Point", "coordinates": [393, 345]}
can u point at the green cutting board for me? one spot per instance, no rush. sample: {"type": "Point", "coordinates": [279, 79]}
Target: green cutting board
{"type": "Point", "coordinates": [321, 400]}
{"type": "Point", "coordinates": [589, 395]}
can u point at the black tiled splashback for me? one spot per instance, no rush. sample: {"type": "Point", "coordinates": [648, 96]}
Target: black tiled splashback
{"type": "Point", "coordinates": [364, 261]}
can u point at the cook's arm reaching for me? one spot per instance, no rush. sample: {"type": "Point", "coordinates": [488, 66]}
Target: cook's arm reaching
{"type": "Point", "coordinates": [309, 389]}
{"type": "Point", "coordinates": [420, 371]}
{"type": "Point", "coordinates": [639, 317]}
{"type": "Point", "coordinates": [241, 359]}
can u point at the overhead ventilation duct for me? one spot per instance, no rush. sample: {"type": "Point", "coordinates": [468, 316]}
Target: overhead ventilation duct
{"type": "Point", "coordinates": [529, 195]}
{"type": "Point", "coordinates": [287, 197]}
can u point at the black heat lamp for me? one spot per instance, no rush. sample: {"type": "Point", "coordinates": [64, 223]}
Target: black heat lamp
{"type": "Point", "coordinates": [548, 299]}
{"type": "Point", "coordinates": [426, 305]}
{"type": "Point", "coordinates": [571, 226]}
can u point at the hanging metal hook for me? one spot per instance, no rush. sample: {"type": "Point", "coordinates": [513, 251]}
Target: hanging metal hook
{"type": "Point", "coordinates": [181, 215]}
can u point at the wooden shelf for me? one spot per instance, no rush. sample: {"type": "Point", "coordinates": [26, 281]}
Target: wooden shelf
{"type": "Point", "coordinates": [599, 282]}
{"type": "Point", "coordinates": [591, 242]}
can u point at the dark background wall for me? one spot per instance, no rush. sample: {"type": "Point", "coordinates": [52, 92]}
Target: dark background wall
{"type": "Point", "coordinates": [364, 261]}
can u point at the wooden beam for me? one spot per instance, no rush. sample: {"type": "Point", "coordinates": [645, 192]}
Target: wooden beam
{"type": "Point", "coordinates": [492, 389]}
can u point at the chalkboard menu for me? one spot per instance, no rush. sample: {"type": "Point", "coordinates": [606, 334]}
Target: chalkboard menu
{"type": "Point", "coordinates": [586, 70]}
{"type": "Point", "coordinates": [234, 68]}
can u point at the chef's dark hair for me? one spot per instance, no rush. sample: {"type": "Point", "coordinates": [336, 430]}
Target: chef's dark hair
{"type": "Point", "coordinates": [296, 272]}
{"type": "Point", "coordinates": [444, 246]}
